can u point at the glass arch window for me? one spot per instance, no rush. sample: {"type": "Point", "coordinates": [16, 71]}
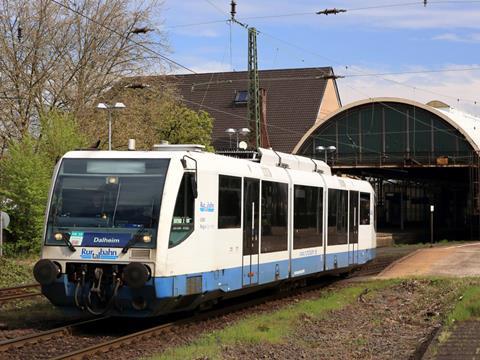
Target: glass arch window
{"type": "Point", "coordinates": [390, 133]}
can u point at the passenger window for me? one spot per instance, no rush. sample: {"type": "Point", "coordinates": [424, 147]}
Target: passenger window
{"type": "Point", "coordinates": [308, 213]}
{"type": "Point", "coordinates": [183, 215]}
{"type": "Point", "coordinates": [364, 208]}
{"type": "Point", "coordinates": [229, 202]}
{"type": "Point", "coordinates": [274, 217]}
{"type": "Point", "coordinates": [337, 217]}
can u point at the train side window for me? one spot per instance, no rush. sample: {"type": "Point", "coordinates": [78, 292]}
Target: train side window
{"type": "Point", "coordinates": [364, 208]}
{"type": "Point", "coordinates": [308, 217]}
{"type": "Point", "coordinates": [229, 202]}
{"type": "Point", "coordinates": [183, 215]}
{"type": "Point", "coordinates": [337, 217]}
{"type": "Point", "coordinates": [274, 217]}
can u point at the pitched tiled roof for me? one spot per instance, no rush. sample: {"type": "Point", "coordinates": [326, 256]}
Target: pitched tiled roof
{"type": "Point", "coordinates": [293, 101]}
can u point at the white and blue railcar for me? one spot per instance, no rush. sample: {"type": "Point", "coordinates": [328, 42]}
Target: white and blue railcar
{"type": "Point", "coordinates": [146, 233]}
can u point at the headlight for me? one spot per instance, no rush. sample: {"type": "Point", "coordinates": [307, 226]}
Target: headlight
{"type": "Point", "coordinates": [58, 236]}
{"type": "Point", "coordinates": [146, 238]}
{"type": "Point", "coordinates": [111, 180]}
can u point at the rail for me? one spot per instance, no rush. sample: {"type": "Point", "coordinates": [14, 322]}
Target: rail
{"type": "Point", "coordinates": [44, 335]}
{"type": "Point", "coordinates": [372, 268]}
{"type": "Point", "coordinates": [19, 292]}
{"type": "Point", "coordinates": [104, 347]}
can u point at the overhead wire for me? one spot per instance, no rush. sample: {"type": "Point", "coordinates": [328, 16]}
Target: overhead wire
{"type": "Point", "coordinates": [184, 67]}
{"type": "Point", "coordinates": [373, 7]}
{"type": "Point", "coordinates": [364, 73]}
{"type": "Point", "coordinates": [215, 6]}
{"type": "Point", "coordinates": [380, 76]}
{"type": "Point", "coordinates": [386, 105]}
{"type": "Point", "coordinates": [116, 32]}
{"type": "Point", "coordinates": [418, 3]}
{"type": "Point", "coordinates": [213, 74]}
{"type": "Point", "coordinates": [146, 48]}
{"type": "Point", "coordinates": [408, 115]}
{"type": "Point", "coordinates": [320, 77]}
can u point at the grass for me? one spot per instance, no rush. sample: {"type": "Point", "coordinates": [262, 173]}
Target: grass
{"type": "Point", "coordinates": [427, 243]}
{"type": "Point", "coordinates": [268, 328]}
{"type": "Point", "coordinates": [467, 308]}
{"type": "Point", "coordinates": [16, 271]}
{"type": "Point", "coordinates": [18, 313]}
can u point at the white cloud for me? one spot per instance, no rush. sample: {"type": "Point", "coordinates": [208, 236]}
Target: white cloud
{"type": "Point", "coordinates": [447, 87]}
{"type": "Point", "coordinates": [211, 66]}
{"type": "Point", "coordinates": [434, 16]}
{"type": "Point", "coordinates": [468, 38]}
{"type": "Point", "coordinates": [201, 65]}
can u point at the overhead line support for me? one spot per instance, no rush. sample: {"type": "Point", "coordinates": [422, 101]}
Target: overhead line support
{"type": "Point", "coordinates": [253, 84]}
{"type": "Point", "coordinates": [333, 11]}
{"type": "Point", "coordinates": [253, 103]}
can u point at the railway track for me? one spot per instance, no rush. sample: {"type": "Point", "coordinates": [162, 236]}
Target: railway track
{"type": "Point", "coordinates": [19, 292]}
{"type": "Point", "coordinates": [101, 347]}
{"type": "Point", "coordinates": [45, 335]}
{"type": "Point", "coordinates": [375, 267]}
{"type": "Point", "coordinates": [129, 339]}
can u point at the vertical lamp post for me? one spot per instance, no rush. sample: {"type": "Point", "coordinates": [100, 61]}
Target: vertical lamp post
{"type": "Point", "coordinates": [242, 132]}
{"type": "Point", "coordinates": [432, 209]}
{"type": "Point", "coordinates": [326, 150]}
{"type": "Point", "coordinates": [109, 108]}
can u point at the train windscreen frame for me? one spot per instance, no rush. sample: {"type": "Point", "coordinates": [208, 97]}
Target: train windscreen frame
{"type": "Point", "coordinates": [111, 200]}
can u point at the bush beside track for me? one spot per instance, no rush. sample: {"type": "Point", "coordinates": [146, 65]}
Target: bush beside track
{"type": "Point", "coordinates": [16, 271]}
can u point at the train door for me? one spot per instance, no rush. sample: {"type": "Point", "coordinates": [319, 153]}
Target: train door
{"type": "Point", "coordinates": [353, 228]}
{"type": "Point", "coordinates": [251, 199]}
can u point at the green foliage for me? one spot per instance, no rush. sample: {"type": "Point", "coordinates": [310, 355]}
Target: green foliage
{"type": "Point", "coordinates": [152, 114]}
{"type": "Point", "coordinates": [24, 188]}
{"type": "Point", "coordinates": [182, 125]}
{"type": "Point", "coordinates": [468, 307]}
{"type": "Point", "coordinates": [15, 272]}
{"type": "Point", "coordinates": [26, 172]}
{"type": "Point", "coordinates": [60, 134]}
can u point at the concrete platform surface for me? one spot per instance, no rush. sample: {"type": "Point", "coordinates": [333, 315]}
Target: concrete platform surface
{"type": "Point", "coordinates": [462, 344]}
{"type": "Point", "coordinates": [457, 261]}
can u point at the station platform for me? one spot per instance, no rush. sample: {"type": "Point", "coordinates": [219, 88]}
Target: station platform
{"type": "Point", "coordinates": [457, 260]}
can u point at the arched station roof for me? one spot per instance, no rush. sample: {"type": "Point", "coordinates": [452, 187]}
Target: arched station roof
{"type": "Point", "coordinates": [394, 132]}
{"type": "Point", "coordinates": [465, 124]}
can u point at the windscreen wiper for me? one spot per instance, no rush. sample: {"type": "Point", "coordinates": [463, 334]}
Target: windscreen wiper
{"type": "Point", "coordinates": [133, 240]}
{"type": "Point", "coordinates": [66, 240]}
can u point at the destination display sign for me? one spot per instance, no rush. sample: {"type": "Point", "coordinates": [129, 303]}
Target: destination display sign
{"type": "Point", "coordinates": [93, 239]}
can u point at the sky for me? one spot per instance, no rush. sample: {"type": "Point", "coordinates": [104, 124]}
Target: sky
{"type": "Point", "coordinates": [372, 37]}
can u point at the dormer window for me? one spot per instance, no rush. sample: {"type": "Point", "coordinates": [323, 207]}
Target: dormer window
{"type": "Point", "coordinates": [241, 97]}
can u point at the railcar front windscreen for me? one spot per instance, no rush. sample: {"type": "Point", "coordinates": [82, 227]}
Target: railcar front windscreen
{"type": "Point", "coordinates": [107, 202]}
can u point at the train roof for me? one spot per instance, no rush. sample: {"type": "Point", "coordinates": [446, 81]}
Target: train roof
{"type": "Point", "coordinates": [265, 157]}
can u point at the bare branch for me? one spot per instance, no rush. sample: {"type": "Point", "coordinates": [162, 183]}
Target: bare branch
{"type": "Point", "coordinates": [65, 60]}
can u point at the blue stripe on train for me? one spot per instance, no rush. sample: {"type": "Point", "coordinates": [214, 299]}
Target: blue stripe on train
{"type": "Point", "coordinates": [231, 279]}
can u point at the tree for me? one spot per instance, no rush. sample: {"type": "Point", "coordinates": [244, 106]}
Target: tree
{"type": "Point", "coordinates": [24, 187]}
{"type": "Point", "coordinates": [182, 125]}
{"type": "Point", "coordinates": [154, 112]}
{"type": "Point", "coordinates": [55, 57]}
{"type": "Point", "coordinates": [59, 134]}
{"type": "Point", "coordinates": [26, 172]}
